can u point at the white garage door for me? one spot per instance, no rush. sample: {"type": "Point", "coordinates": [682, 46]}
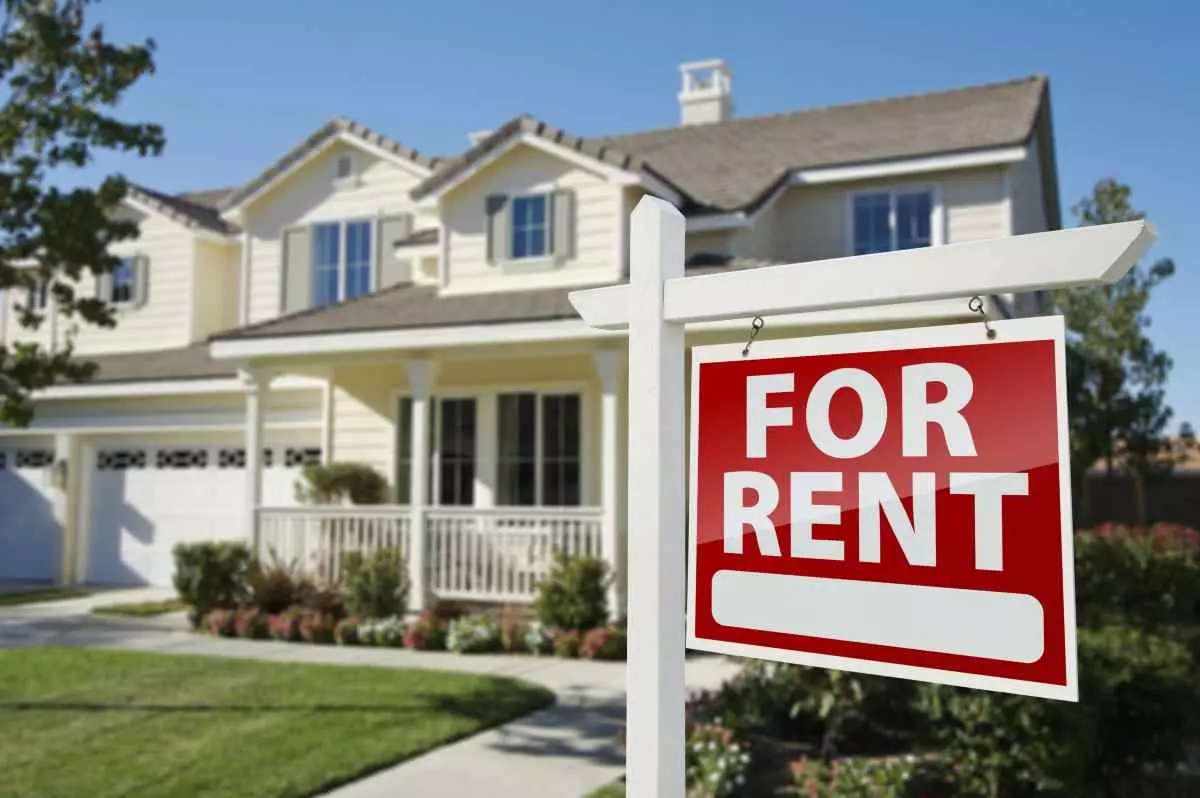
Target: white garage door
{"type": "Point", "coordinates": [147, 498]}
{"type": "Point", "coordinates": [29, 535]}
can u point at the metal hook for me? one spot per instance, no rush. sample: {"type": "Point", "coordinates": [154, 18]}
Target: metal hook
{"type": "Point", "coordinates": [976, 306]}
{"type": "Point", "coordinates": [755, 327]}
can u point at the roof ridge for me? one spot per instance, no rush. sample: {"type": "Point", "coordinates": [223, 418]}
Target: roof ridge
{"type": "Point", "coordinates": [1034, 78]}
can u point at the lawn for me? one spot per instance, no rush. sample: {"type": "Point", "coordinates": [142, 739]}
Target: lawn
{"type": "Point", "coordinates": [614, 790]}
{"type": "Point", "coordinates": [40, 594]}
{"type": "Point", "coordinates": [141, 609]}
{"type": "Point", "coordinates": [114, 723]}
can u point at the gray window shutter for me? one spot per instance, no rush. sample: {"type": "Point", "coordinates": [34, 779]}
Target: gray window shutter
{"type": "Point", "coordinates": [389, 270]}
{"type": "Point", "coordinates": [499, 227]}
{"type": "Point", "coordinates": [562, 234]}
{"type": "Point", "coordinates": [297, 269]}
{"type": "Point", "coordinates": [141, 280]}
{"type": "Point", "coordinates": [104, 287]}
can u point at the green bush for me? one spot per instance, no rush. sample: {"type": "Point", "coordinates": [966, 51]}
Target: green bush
{"type": "Point", "coordinates": [1137, 704]}
{"type": "Point", "coordinates": [1143, 577]}
{"type": "Point", "coordinates": [209, 576]}
{"type": "Point", "coordinates": [333, 483]}
{"type": "Point", "coordinates": [474, 634]}
{"type": "Point", "coordinates": [426, 633]}
{"type": "Point", "coordinates": [316, 627]}
{"type": "Point", "coordinates": [604, 643]}
{"type": "Point", "coordinates": [575, 594]}
{"type": "Point", "coordinates": [376, 585]}
{"type": "Point", "coordinates": [717, 762]}
{"type": "Point", "coordinates": [863, 777]}
{"type": "Point", "coordinates": [346, 632]}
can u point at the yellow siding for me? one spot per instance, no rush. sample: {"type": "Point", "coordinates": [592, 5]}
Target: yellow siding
{"type": "Point", "coordinates": [164, 322]}
{"type": "Point", "coordinates": [811, 222]}
{"type": "Point", "coordinates": [216, 280]}
{"type": "Point", "coordinates": [525, 170]}
{"type": "Point", "coordinates": [310, 196]}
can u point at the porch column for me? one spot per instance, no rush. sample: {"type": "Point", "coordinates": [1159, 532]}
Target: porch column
{"type": "Point", "coordinates": [421, 374]}
{"type": "Point", "coordinates": [65, 476]}
{"type": "Point", "coordinates": [608, 368]}
{"type": "Point", "coordinates": [256, 384]}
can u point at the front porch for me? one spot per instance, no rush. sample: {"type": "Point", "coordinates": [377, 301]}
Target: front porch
{"type": "Point", "coordinates": [521, 450]}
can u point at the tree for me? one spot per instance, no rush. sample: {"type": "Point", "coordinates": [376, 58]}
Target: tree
{"type": "Point", "coordinates": [1115, 375]}
{"type": "Point", "coordinates": [60, 84]}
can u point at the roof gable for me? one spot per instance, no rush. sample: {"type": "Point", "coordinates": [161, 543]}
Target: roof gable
{"type": "Point", "coordinates": [336, 129]}
{"type": "Point", "coordinates": [190, 210]}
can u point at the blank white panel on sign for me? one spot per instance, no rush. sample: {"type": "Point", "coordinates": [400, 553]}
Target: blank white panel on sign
{"type": "Point", "coordinates": [939, 619]}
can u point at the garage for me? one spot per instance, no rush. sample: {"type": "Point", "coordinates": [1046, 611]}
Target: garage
{"type": "Point", "coordinates": [145, 496]}
{"type": "Point", "coordinates": [30, 538]}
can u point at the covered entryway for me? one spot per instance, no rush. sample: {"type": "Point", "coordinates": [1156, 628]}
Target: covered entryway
{"type": "Point", "coordinates": [147, 495]}
{"type": "Point", "coordinates": [30, 538]}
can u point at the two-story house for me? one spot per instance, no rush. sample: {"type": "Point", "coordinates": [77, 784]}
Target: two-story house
{"type": "Point", "coordinates": [361, 301]}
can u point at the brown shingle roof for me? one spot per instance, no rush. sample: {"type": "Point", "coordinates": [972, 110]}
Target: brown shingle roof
{"type": "Point", "coordinates": [190, 362]}
{"type": "Point", "coordinates": [732, 165]}
{"type": "Point", "coordinates": [190, 209]}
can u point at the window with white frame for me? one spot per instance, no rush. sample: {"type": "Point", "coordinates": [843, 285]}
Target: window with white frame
{"type": "Point", "coordinates": [341, 261]}
{"type": "Point", "coordinates": [123, 285]}
{"type": "Point", "coordinates": [452, 464]}
{"type": "Point", "coordinates": [37, 296]}
{"type": "Point", "coordinates": [884, 221]}
{"type": "Point", "coordinates": [530, 227]}
{"type": "Point", "coordinates": [539, 452]}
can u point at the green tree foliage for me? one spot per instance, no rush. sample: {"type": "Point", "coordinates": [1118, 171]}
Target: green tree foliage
{"type": "Point", "coordinates": [1116, 378]}
{"type": "Point", "coordinates": [61, 82]}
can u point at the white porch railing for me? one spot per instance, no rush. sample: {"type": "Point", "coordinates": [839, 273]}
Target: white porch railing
{"type": "Point", "coordinates": [472, 554]}
{"type": "Point", "coordinates": [500, 554]}
{"type": "Point", "coordinates": [316, 538]}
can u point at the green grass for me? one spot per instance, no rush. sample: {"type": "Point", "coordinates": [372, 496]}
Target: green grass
{"type": "Point", "coordinates": [115, 723]}
{"type": "Point", "coordinates": [614, 790]}
{"type": "Point", "coordinates": [42, 594]}
{"type": "Point", "coordinates": [141, 609]}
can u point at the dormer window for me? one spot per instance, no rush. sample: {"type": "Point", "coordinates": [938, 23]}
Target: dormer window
{"type": "Point", "coordinates": [123, 287]}
{"type": "Point", "coordinates": [530, 227]}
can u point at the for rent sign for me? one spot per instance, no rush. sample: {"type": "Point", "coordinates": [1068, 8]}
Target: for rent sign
{"type": "Point", "coordinates": [890, 502]}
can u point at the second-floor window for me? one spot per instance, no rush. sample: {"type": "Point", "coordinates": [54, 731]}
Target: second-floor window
{"type": "Point", "coordinates": [123, 285]}
{"type": "Point", "coordinates": [37, 296]}
{"type": "Point", "coordinates": [884, 221]}
{"type": "Point", "coordinates": [340, 271]}
{"type": "Point", "coordinates": [530, 227]}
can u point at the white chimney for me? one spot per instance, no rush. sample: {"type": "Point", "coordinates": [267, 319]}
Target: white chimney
{"type": "Point", "coordinates": [478, 136]}
{"type": "Point", "coordinates": [707, 94]}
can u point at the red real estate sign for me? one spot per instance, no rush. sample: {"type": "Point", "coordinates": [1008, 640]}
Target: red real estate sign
{"type": "Point", "coordinates": [895, 503]}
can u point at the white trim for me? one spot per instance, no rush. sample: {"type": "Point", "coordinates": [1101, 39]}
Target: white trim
{"type": "Point", "coordinates": [159, 429]}
{"type": "Point", "coordinates": [933, 163]}
{"type": "Point", "coordinates": [183, 387]}
{"type": "Point", "coordinates": [235, 213]}
{"type": "Point", "coordinates": [1030, 329]}
{"type": "Point", "coordinates": [417, 251]}
{"type": "Point", "coordinates": [244, 279]}
{"type": "Point", "coordinates": [621, 177]}
{"type": "Point", "coordinates": [622, 236]}
{"type": "Point", "coordinates": [292, 417]}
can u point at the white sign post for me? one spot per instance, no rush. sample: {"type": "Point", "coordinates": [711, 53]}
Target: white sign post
{"type": "Point", "coordinates": [655, 307]}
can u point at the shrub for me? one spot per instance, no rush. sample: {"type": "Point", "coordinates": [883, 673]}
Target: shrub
{"type": "Point", "coordinates": [316, 628]}
{"type": "Point", "coordinates": [717, 763]}
{"type": "Point", "coordinates": [332, 483]}
{"type": "Point", "coordinates": [426, 633]}
{"type": "Point", "coordinates": [1140, 577]}
{"type": "Point", "coordinates": [386, 632]}
{"type": "Point", "coordinates": [274, 586]}
{"type": "Point", "coordinates": [567, 643]}
{"type": "Point", "coordinates": [474, 634]}
{"type": "Point", "coordinates": [538, 638]}
{"type": "Point", "coordinates": [575, 594]}
{"type": "Point", "coordinates": [221, 622]}
{"type": "Point", "coordinates": [888, 777]}
{"type": "Point", "coordinates": [285, 625]}
{"type": "Point", "coordinates": [209, 576]}
{"type": "Point", "coordinates": [1137, 703]}
{"type": "Point", "coordinates": [604, 642]}
{"type": "Point", "coordinates": [376, 585]}
{"type": "Point", "coordinates": [251, 623]}
{"type": "Point", "coordinates": [346, 632]}
{"type": "Point", "coordinates": [326, 601]}
{"type": "Point", "coordinates": [513, 626]}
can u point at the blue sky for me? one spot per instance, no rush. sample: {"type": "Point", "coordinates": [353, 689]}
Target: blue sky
{"type": "Point", "coordinates": [241, 82]}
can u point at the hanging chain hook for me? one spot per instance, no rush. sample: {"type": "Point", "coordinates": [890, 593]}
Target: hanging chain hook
{"type": "Point", "coordinates": [976, 306]}
{"type": "Point", "coordinates": [755, 327]}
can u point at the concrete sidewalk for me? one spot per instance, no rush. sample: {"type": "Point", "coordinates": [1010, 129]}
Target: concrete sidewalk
{"type": "Point", "coordinates": [564, 751]}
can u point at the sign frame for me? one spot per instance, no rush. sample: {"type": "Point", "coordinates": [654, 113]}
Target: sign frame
{"type": "Point", "coordinates": [1040, 328]}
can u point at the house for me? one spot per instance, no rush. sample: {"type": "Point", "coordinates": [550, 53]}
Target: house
{"type": "Point", "coordinates": [362, 301]}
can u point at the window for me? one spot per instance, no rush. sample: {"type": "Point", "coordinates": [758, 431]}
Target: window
{"type": "Point", "coordinates": [334, 277]}
{"type": "Point", "coordinates": [455, 474]}
{"type": "Point", "coordinates": [530, 228]}
{"type": "Point", "coordinates": [37, 296]}
{"type": "Point", "coordinates": [886, 221]}
{"type": "Point", "coordinates": [404, 452]}
{"type": "Point", "coordinates": [326, 264]}
{"type": "Point", "coordinates": [123, 286]}
{"type": "Point", "coordinates": [358, 259]}
{"type": "Point", "coordinates": [539, 450]}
